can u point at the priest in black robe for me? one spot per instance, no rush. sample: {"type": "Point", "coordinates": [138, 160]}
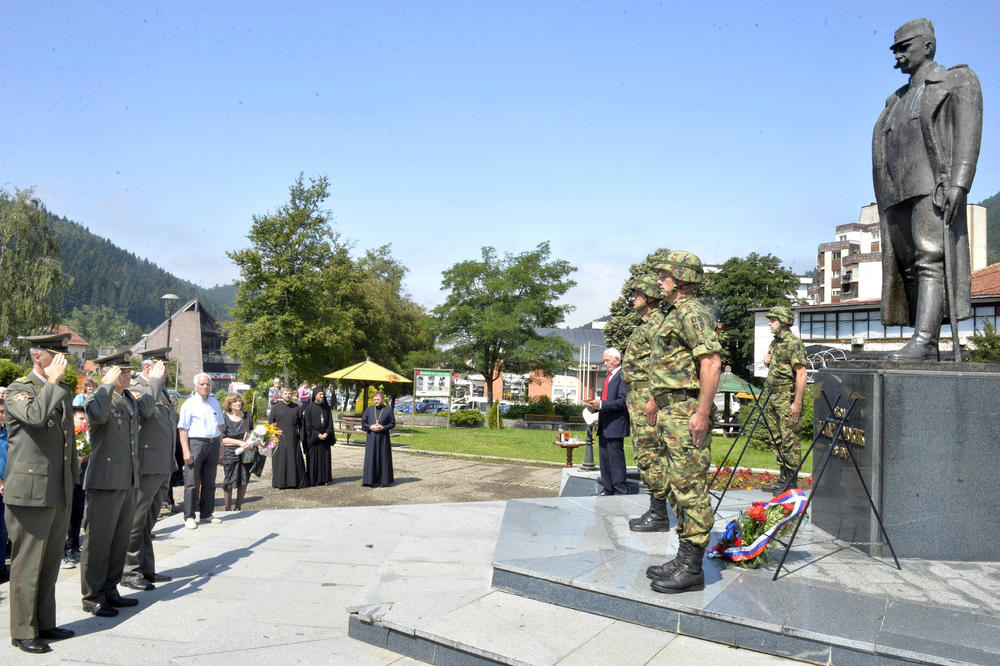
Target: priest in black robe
{"type": "Point", "coordinates": [318, 436]}
{"type": "Point", "coordinates": [287, 467]}
{"type": "Point", "coordinates": [377, 421]}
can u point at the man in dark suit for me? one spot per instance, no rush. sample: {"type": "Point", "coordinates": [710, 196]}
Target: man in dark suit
{"type": "Point", "coordinates": [41, 470]}
{"type": "Point", "coordinates": [612, 426]}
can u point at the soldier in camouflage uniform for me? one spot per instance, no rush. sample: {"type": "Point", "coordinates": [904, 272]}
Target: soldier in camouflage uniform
{"type": "Point", "coordinates": [786, 378]}
{"type": "Point", "coordinates": [685, 364]}
{"type": "Point", "coordinates": [635, 374]}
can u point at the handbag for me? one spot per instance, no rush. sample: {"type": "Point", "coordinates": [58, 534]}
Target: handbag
{"type": "Point", "coordinates": [257, 466]}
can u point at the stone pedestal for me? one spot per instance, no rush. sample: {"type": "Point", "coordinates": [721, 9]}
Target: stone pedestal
{"type": "Point", "coordinates": [927, 440]}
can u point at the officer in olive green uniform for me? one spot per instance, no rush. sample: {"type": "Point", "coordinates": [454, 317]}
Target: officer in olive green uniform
{"type": "Point", "coordinates": [110, 482]}
{"type": "Point", "coordinates": [156, 462]}
{"type": "Point", "coordinates": [635, 374]}
{"type": "Point", "coordinates": [41, 469]}
{"type": "Point", "coordinates": [685, 364]}
{"type": "Point", "coordinates": [786, 378]}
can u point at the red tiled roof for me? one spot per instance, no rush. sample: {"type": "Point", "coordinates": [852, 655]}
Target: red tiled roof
{"type": "Point", "coordinates": [74, 337]}
{"type": "Point", "coordinates": [986, 281]}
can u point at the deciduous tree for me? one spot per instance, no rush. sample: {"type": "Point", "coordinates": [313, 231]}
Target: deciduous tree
{"type": "Point", "coordinates": [30, 270]}
{"type": "Point", "coordinates": [290, 316]}
{"type": "Point", "coordinates": [756, 281]}
{"type": "Point", "coordinates": [493, 306]}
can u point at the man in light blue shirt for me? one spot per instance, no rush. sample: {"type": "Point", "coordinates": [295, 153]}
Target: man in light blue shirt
{"type": "Point", "coordinates": [198, 427]}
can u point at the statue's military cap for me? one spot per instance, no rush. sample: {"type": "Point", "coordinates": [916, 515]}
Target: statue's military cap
{"type": "Point", "coordinates": [119, 358]}
{"type": "Point", "coordinates": [684, 266]}
{"type": "Point", "coordinates": [57, 343]}
{"type": "Point", "coordinates": [782, 314]}
{"type": "Point", "coordinates": [158, 354]}
{"type": "Point", "coordinates": [919, 27]}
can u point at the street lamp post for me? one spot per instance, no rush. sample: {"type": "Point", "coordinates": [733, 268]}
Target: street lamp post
{"type": "Point", "coordinates": [170, 299]}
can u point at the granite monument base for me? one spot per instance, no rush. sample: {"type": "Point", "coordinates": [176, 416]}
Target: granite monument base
{"type": "Point", "coordinates": [926, 438]}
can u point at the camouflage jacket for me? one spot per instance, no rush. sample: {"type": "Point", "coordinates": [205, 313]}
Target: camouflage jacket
{"type": "Point", "coordinates": [686, 334]}
{"type": "Point", "coordinates": [635, 363]}
{"type": "Point", "coordinates": [786, 351]}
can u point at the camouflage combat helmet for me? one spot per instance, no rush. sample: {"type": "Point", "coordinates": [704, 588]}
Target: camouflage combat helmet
{"type": "Point", "coordinates": [782, 314]}
{"type": "Point", "coordinates": [684, 266]}
{"type": "Point", "coordinates": [646, 285]}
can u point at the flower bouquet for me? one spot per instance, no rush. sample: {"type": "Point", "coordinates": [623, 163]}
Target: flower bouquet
{"type": "Point", "coordinates": [265, 438]}
{"type": "Point", "coordinates": [746, 540]}
{"type": "Point", "coordinates": [82, 434]}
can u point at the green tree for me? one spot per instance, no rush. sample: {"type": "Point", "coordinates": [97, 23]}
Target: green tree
{"type": "Point", "coordinates": [102, 327]}
{"type": "Point", "coordinates": [624, 318]}
{"type": "Point", "coordinates": [30, 269]}
{"type": "Point", "coordinates": [290, 317]}
{"type": "Point", "coordinates": [493, 306]}
{"type": "Point", "coordinates": [985, 344]}
{"type": "Point", "coordinates": [742, 283]}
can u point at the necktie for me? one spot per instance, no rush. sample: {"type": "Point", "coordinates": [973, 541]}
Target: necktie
{"type": "Point", "coordinates": [604, 391]}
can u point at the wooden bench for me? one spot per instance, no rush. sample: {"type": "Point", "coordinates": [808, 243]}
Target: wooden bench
{"type": "Point", "coordinates": [350, 424]}
{"type": "Point", "coordinates": [551, 418]}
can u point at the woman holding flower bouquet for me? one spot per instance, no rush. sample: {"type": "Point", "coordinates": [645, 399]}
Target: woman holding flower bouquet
{"type": "Point", "coordinates": [236, 467]}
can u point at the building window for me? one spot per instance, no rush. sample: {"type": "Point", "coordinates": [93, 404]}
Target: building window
{"type": "Point", "coordinates": [836, 274]}
{"type": "Point", "coordinates": [836, 292]}
{"type": "Point", "coordinates": [842, 237]}
{"type": "Point", "coordinates": [982, 314]}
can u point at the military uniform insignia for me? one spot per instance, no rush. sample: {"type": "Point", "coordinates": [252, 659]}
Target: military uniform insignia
{"type": "Point", "coordinates": [51, 423]}
{"type": "Point", "coordinates": [20, 396]}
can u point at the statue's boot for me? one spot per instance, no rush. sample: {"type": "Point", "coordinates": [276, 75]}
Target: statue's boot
{"type": "Point", "coordinates": [924, 343]}
{"type": "Point", "coordinates": [687, 575]}
{"type": "Point", "coordinates": [654, 520]}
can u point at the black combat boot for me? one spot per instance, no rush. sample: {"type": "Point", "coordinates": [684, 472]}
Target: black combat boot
{"type": "Point", "coordinates": [793, 481]}
{"type": "Point", "coordinates": [663, 570]}
{"type": "Point", "coordinates": [687, 576]}
{"type": "Point", "coordinates": [923, 346]}
{"type": "Point", "coordinates": [654, 520]}
{"type": "Point", "coordinates": [778, 485]}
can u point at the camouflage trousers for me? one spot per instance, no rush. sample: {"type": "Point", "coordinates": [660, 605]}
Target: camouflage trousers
{"type": "Point", "coordinates": [686, 472]}
{"type": "Point", "coordinates": [646, 444]}
{"type": "Point", "coordinates": [785, 433]}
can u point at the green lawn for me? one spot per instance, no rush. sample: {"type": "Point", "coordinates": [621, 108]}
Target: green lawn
{"type": "Point", "coordinates": [518, 444]}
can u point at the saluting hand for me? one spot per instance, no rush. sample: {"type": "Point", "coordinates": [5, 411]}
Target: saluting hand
{"type": "Point", "coordinates": [159, 370]}
{"type": "Point", "coordinates": [56, 369]}
{"type": "Point", "coordinates": [111, 376]}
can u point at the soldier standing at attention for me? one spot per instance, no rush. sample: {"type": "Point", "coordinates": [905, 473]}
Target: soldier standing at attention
{"type": "Point", "coordinates": [38, 489]}
{"type": "Point", "coordinates": [786, 377]}
{"type": "Point", "coordinates": [110, 483]}
{"type": "Point", "coordinates": [685, 364]}
{"type": "Point", "coordinates": [635, 374]}
{"type": "Point", "coordinates": [156, 462]}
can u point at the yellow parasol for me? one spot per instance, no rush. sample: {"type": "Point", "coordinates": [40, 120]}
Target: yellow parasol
{"type": "Point", "coordinates": [367, 371]}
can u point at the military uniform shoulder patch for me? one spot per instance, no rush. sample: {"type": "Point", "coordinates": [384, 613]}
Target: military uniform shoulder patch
{"type": "Point", "coordinates": [19, 397]}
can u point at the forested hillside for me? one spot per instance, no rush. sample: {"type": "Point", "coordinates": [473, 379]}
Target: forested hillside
{"type": "Point", "coordinates": [105, 275]}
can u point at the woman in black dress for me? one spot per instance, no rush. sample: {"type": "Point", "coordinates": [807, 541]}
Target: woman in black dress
{"type": "Point", "coordinates": [318, 436]}
{"type": "Point", "coordinates": [377, 421]}
{"type": "Point", "coordinates": [236, 424]}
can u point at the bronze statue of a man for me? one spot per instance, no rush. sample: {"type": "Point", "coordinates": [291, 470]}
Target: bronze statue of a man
{"type": "Point", "coordinates": [924, 153]}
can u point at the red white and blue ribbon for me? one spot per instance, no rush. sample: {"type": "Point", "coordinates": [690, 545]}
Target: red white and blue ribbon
{"type": "Point", "coordinates": [797, 499]}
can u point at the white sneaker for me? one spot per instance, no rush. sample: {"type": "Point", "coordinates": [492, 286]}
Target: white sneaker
{"type": "Point", "coordinates": [67, 563]}
{"type": "Point", "coordinates": [191, 524]}
{"type": "Point", "coordinates": [211, 519]}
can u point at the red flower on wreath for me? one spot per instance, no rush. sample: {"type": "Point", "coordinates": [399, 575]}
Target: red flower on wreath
{"type": "Point", "coordinates": [757, 512]}
{"type": "Point", "coordinates": [738, 542]}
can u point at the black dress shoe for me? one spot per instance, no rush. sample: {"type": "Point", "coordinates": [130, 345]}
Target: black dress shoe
{"type": "Point", "coordinates": [56, 633]}
{"type": "Point", "coordinates": [122, 602]}
{"type": "Point", "coordinates": [32, 645]}
{"type": "Point", "coordinates": [159, 578]}
{"type": "Point", "coordinates": [100, 610]}
{"type": "Point", "coordinates": [140, 584]}
{"type": "Point", "coordinates": [603, 493]}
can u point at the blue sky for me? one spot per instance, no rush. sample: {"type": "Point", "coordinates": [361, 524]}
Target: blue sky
{"type": "Point", "coordinates": [608, 129]}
